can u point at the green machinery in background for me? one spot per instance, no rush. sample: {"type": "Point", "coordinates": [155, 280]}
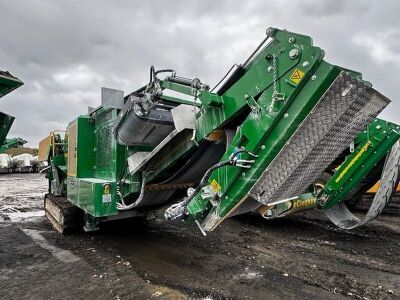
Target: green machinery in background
{"type": "Point", "coordinates": [281, 133]}
{"type": "Point", "coordinates": [8, 83]}
{"type": "Point", "coordinates": [12, 143]}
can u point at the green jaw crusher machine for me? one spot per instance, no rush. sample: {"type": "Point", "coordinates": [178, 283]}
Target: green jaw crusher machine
{"type": "Point", "coordinates": [281, 133]}
{"type": "Point", "coordinates": [8, 83]}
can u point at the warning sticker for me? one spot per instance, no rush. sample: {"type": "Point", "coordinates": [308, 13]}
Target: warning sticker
{"type": "Point", "coordinates": [106, 198]}
{"type": "Point", "coordinates": [297, 76]}
{"type": "Point", "coordinates": [216, 187]}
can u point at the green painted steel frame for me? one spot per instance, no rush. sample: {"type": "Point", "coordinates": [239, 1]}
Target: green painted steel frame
{"type": "Point", "coordinates": [257, 81]}
{"type": "Point", "coordinates": [264, 136]}
{"type": "Point", "coordinates": [267, 126]}
{"type": "Point", "coordinates": [371, 146]}
{"type": "Point", "coordinates": [6, 122]}
{"type": "Point", "coordinates": [268, 123]}
{"type": "Point", "coordinates": [85, 151]}
{"type": "Point", "coordinates": [265, 133]}
{"type": "Point", "coordinates": [117, 152]}
{"type": "Point", "coordinates": [86, 189]}
{"type": "Point", "coordinates": [12, 143]}
{"type": "Point", "coordinates": [8, 83]}
{"type": "Point", "coordinates": [87, 194]}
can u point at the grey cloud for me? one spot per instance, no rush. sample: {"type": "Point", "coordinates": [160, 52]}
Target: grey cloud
{"type": "Point", "coordinates": [65, 51]}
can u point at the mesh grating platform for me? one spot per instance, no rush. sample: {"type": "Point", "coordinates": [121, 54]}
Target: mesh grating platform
{"type": "Point", "coordinates": [104, 141]}
{"type": "Point", "coordinates": [345, 109]}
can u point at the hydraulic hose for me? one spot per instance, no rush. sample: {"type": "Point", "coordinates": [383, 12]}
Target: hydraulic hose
{"type": "Point", "coordinates": [179, 209]}
{"type": "Point", "coordinates": [204, 179]}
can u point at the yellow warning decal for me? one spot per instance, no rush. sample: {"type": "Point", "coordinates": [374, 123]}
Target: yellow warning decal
{"type": "Point", "coordinates": [297, 76]}
{"type": "Point", "coordinates": [216, 187]}
{"type": "Point", "coordinates": [106, 189]}
{"type": "Point", "coordinates": [353, 161]}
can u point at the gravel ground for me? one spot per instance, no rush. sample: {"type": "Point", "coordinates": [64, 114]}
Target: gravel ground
{"type": "Point", "coordinates": [303, 256]}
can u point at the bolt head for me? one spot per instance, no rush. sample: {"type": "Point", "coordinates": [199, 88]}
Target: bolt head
{"type": "Point", "coordinates": [270, 68]}
{"type": "Point", "coordinates": [313, 77]}
{"type": "Point", "coordinates": [306, 64]}
{"type": "Point", "coordinates": [294, 53]}
{"type": "Point", "coordinates": [286, 115]}
{"type": "Point", "coordinates": [292, 40]}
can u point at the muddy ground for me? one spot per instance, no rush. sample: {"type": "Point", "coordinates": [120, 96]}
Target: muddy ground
{"type": "Point", "coordinates": [302, 256]}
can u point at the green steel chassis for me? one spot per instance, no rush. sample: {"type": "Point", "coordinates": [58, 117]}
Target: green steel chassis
{"type": "Point", "coordinates": [273, 93]}
{"type": "Point", "coordinates": [8, 83]}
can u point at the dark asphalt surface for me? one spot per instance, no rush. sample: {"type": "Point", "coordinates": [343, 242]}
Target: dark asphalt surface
{"type": "Point", "coordinates": [303, 256]}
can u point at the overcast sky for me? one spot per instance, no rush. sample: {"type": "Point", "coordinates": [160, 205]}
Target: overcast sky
{"type": "Point", "coordinates": [65, 51]}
